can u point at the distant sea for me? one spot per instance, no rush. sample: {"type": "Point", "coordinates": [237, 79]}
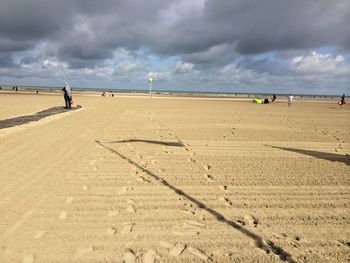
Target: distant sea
{"type": "Point", "coordinates": [173, 92]}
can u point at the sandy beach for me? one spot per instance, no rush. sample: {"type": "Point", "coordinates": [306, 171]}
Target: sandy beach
{"type": "Point", "coordinates": [134, 179]}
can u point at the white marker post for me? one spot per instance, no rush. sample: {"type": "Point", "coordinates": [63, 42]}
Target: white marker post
{"type": "Point", "coordinates": [150, 81]}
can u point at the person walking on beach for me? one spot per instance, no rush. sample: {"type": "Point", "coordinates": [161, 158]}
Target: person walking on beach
{"type": "Point", "coordinates": [342, 100]}
{"type": "Point", "coordinates": [67, 95]}
{"type": "Point", "coordinates": [273, 98]}
{"type": "Point", "coordinates": [290, 99]}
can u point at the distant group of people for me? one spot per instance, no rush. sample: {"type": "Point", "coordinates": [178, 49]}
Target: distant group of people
{"type": "Point", "coordinates": [266, 100]}
{"type": "Point", "coordinates": [105, 94]}
{"type": "Point", "coordinates": [290, 100]}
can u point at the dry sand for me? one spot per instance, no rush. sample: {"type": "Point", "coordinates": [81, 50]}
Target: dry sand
{"type": "Point", "coordinates": [174, 180]}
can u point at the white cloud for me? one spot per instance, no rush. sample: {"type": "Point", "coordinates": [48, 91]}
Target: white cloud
{"type": "Point", "coordinates": [316, 63]}
{"type": "Point", "coordinates": [127, 67]}
{"type": "Point", "coordinates": [183, 67]}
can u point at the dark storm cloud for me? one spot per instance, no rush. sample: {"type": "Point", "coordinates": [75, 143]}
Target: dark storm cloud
{"type": "Point", "coordinates": [260, 26]}
{"type": "Point", "coordinates": [6, 60]}
{"type": "Point", "coordinates": [86, 31]}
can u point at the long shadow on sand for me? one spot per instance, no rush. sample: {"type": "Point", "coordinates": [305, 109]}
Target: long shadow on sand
{"type": "Point", "coordinates": [259, 241]}
{"type": "Point", "coordinates": [12, 122]}
{"type": "Point", "coordinates": [175, 144]}
{"type": "Point", "coordinates": [321, 155]}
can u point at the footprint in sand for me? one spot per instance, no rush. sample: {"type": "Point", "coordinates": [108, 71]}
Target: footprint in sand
{"type": "Point", "coordinates": [38, 234]}
{"type": "Point", "coordinates": [154, 162]}
{"type": "Point", "coordinates": [84, 251]}
{"type": "Point", "coordinates": [207, 167]}
{"type": "Point", "coordinates": [192, 160]}
{"type": "Point", "coordinates": [150, 256]}
{"type": "Point", "coordinates": [223, 188]}
{"type": "Point", "coordinates": [127, 229]}
{"type": "Point", "coordinates": [123, 190]}
{"type": "Point", "coordinates": [131, 207]}
{"type": "Point", "coordinates": [29, 258]}
{"type": "Point", "coordinates": [241, 221]}
{"type": "Point", "coordinates": [190, 228]}
{"type": "Point", "coordinates": [193, 224]}
{"type": "Point", "coordinates": [249, 220]}
{"type": "Point", "coordinates": [190, 212]}
{"type": "Point", "coordinates": [69, 200]}
{"type": "Point", "coordinates": [226, 201]}
{"type": "Point", "coordinates": [177, 249]}
{"type": "Point", "coordinates": [129, 256]}
{"type": "Point", "coordinates": [209, 177]}
{"type": "Point", "coordinates": [62, 215]}
{"type": "Point", "coordinates": [293, 240]}
{"type": "Point", "coordinates": [255, 221]}
{"type": "Point", "coordinates": [143, 179]}
{"type": "Point", "coordinates": [166, 244]}
{"type": "Point", "coordinates": [198, 253]}
{"type": "Point", "coordinates": [111, 231]}
{"type": "Point", "coordinates": [85, 187]}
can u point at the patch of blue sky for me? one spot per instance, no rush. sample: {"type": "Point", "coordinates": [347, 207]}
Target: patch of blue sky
{"type": "Point", "coordinates": [333, 51]}
{"type": "Point", "coordinates": [327, 50]}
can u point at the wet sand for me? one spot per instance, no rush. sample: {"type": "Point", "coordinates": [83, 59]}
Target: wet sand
{"type": "Point", "coordinates": [174, 180]}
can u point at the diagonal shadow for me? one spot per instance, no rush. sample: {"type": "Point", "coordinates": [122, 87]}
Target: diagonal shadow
{"type": "Point", "coordinates": [321, 155]}
{"type": "Point", "coordinates": [12, 122]}
{"type": "Point", "coordinates": [259, 241]}
{"type": "Point", "coordinates": [175, 144]}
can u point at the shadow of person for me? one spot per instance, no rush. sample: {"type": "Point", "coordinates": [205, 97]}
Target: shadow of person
{"type": "Point", "coordinates": [174, 144]}
{"type": "Point", "coordinates": [334, 157]}
{"type": "Point", "coordinates": [261, 243]}
{"type": "Point", "coordinates": [20, 120]}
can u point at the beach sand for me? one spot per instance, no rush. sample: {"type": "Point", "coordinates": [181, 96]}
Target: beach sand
{"type": "Point", "coordinates": [135, 179]}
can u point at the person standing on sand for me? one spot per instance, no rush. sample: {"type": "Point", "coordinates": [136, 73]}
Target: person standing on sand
{"type": "Point", "coordinates": [67, 95]}
{"type": "Point", "coordinates": [290, 99]}
{"type": "Point", "coordinates": [273, 98]}
{"type": "Point", "coordinates": [342, 100]}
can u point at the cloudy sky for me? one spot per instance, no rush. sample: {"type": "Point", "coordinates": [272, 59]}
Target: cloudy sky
{"type": "Point", "coordinates": [299, 46]}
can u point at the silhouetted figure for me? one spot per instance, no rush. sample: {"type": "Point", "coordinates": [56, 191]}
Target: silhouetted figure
{"type": "Point", "coordinates": [342, 100]}
{"type": "Point", "coordinates": [67, 96]}
{"type": "Point", "coordinates": [273, 98]}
